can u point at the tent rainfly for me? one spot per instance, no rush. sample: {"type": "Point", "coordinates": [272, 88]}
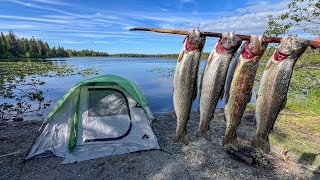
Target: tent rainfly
{"type": "Point", "coordinates": [98, 117]}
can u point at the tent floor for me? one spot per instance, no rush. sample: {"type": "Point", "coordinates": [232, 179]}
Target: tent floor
{"type": "Point", "coordinates": [199, 160]}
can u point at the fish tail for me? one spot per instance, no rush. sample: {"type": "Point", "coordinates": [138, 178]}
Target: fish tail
{"type": "Point", "coordinates": [259, 142]}
{"type": "Point", "coordinates": [174, 114]}
{"type": "Point", "coordinates": [205, 133]}
{"type": "Point", "coordinates": [230, 140]}
{"type": "Point", "coordinates": [181, 137]}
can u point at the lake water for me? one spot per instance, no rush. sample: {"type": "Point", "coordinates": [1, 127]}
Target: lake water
{"type": "Point", "coordinates": [157, 86]}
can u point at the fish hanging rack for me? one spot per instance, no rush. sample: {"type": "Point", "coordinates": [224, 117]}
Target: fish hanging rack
{"type": "Point", "coordinates": [313, 44]}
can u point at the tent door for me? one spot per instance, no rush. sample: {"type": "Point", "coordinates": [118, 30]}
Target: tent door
{"type": "Point", "coordinates": [106, 115]}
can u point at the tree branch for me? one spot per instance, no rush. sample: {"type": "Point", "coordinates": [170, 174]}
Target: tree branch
{"type": "Point", "coordinates": [313, 44]}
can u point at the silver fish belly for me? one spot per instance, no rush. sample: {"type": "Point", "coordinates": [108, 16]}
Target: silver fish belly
{"type": "Point", "coordinates": [185, 82]}
{"type": "Point", "coordinates": [273, 88]}
{"type": "Point", "coordinates": [213, 79]}
{"type": "Point", "coordinates": [240, 90]}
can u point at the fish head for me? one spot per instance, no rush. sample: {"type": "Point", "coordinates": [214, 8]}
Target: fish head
{"type": "Point", "coordinates": [228, 41]}
{"type": "Point", "coordinates": [257, 44]}
{"type": "Point", "coordinates": [196, 40]}
{"type": "Point", "coordinates": [254, 47]}
{"type": "Point", "coordinates": [290, 46]}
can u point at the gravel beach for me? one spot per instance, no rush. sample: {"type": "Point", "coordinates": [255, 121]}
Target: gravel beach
{"type": "Point", "coordinates": [199, 160]}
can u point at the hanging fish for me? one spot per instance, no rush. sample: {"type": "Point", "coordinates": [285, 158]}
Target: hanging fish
{"type": "Point", "coordinates": [239, 91]}
{"type": "Point", "coordinates": [273, 89]}
{"type": "Point", "coordinates": [231, 69]}
{"type": "Point", "coordinates": [213, 79]}
{"type": "Point", "coordinates": [185, 81]}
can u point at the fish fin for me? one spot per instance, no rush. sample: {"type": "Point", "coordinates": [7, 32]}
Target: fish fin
{"type": "Point", "coordinates": [224, 118]}
{"type": "Point", "coordinates": [284, 102]}
{"type": "Point", "coordinates": [181, 137]}
{"type": "Point", "coordinates": [174, 114]}
{"type": "Point", "coordinates": [210, 58]}
{"type": "Point", "coordinates": [269, 64]}
{"type": "Point", "coordinates": [261, 143]}
{"type": "Point", "coordinates": [205, 133]}
{"type": "Point", "coordinates": [230, 140]}
{"type": "Point", "coordinates": [181, 56]}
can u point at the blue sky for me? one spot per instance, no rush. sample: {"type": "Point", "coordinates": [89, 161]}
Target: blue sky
{"type": "Point", "coordinates": [103, 25]}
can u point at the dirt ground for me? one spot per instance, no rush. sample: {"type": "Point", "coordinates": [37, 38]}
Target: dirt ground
{"type": "Point", "coordinates": [199, 160]}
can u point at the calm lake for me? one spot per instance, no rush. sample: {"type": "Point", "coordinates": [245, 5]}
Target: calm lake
{"type": "Point", "coordinates": [152, 75]}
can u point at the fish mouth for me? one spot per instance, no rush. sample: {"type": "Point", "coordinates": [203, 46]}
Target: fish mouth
{"type": "Point", "coordinates": [189, 46]}
{"type": "Point", "coordinates": [247, 53]}
{"type": "Point", "coordinates": [220, 48]}
{"type": "Point", "coordinates": [278, 56]}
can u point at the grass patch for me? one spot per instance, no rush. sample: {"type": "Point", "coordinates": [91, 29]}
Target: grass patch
{"type": "Point", "coordinates": [309, 104]}
{"type": "Point", "coordinates": [301, 135]}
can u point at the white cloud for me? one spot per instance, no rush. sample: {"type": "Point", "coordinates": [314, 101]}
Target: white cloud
{"type": "Point", "coordinates": [55, 2]}
{"type": "Point", "coordinates": [102, 26]}
{"type": "Point", "coordinates": [163, 9]}
{"type": "Point", "coordinates": [32, 19]}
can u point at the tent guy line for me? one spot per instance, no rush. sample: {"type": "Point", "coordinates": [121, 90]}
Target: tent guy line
{"type": "Point", "coordinates": [313, 44]}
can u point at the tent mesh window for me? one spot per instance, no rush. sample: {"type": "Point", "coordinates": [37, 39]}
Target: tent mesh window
{"type": "Point", "coordinates": [106, 102]}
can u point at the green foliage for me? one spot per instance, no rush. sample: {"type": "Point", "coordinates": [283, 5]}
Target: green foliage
{"type": "Point", "coordinates": [165, 72]}
{"type": "Point", "coordinates": [303, 14]}
{"type": "Point", "coordinates": [307, 104]}
{"type": "Point", "coordinates": [12, 46]}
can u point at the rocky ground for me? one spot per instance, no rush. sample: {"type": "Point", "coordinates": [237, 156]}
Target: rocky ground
{"type": "Point", "coordinates": [199, 160]}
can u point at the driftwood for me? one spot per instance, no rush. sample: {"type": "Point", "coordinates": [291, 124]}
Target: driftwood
{"type": "Point", "coordinates": [313, 44]}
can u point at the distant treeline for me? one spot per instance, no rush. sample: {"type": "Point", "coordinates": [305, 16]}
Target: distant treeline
{"type": "Point", "coordinates": [204, 55]}
{"type": "Point", "coordinates": [11, 46]}
{"type": "Point", "coordinates": [309, 57]}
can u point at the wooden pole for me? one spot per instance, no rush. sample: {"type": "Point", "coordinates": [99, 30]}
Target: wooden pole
{"type": "Point", "coordinates": [313, 44]}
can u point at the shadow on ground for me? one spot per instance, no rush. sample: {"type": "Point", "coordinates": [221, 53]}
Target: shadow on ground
{"type": "Point", "coordinates": [199, 160]}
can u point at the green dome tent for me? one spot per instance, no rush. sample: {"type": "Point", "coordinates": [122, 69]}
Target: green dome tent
{"type": "Point", "coordinates": [102, 116]}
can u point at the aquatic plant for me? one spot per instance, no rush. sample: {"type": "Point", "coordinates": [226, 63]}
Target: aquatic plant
{"type": "Point", "coordinates": [20, 82]}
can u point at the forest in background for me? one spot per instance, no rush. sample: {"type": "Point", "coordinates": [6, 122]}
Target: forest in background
{"type": "Point", "coordinates": [12, 46]}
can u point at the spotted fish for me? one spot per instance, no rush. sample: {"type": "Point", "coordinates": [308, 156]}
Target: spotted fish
{"type": "Point", "coordinates": [272, 93]}
{"type": "Point", "coordinates": [240, 89]}
{"type": "Point", "coordinates": [185, 82]}
{"type": "Point", "coordinates": [213, 79]}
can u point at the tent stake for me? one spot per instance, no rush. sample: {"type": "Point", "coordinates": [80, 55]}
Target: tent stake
{"type": "Point", "coordinates": [313, 44]}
